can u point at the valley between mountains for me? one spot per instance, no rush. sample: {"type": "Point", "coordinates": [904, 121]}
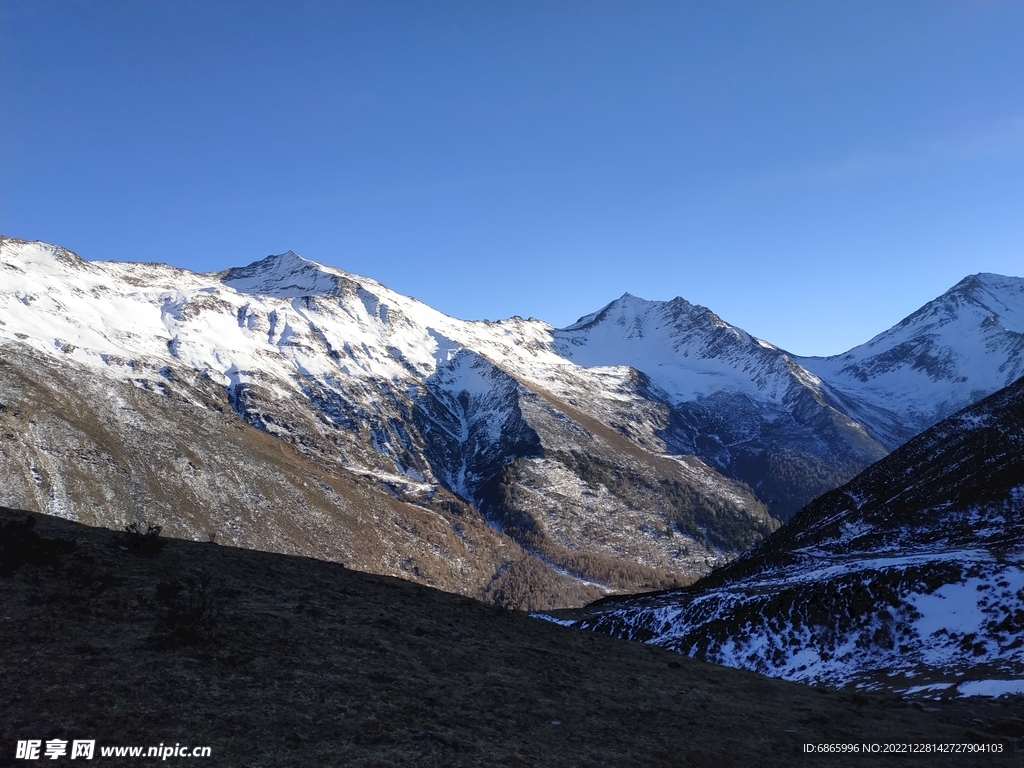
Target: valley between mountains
{"type": "Point", "coordinates": [291, 407]}
{"type": "Point", "coordinates": [304, 436]}
{"type": "Point", "coordinates": [909, 578]}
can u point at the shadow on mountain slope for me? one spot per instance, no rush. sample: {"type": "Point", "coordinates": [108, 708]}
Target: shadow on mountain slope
{"type": "Point", "coordinates": [910, 578]}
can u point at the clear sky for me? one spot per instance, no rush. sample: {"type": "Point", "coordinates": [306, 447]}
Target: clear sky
{"type": "Point", "coordinates": [813, 172]}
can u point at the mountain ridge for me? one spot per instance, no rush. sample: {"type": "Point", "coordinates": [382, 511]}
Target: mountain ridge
{"type": "Point", "coordinates": [697, 455]}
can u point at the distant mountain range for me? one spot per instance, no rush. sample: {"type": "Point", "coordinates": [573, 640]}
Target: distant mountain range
{"type": "Point", "coordinates": [908, 578]}
{"type": "Point", "coordinates": [295, 407]}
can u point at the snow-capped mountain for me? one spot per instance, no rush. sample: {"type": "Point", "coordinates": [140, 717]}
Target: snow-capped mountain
{"type": "Point", "coordinates": [938, 360]}
{"type": "Point", "coordinates": [910, 577]}
{"type": "Point", "coordinates": [369, 386]}
{"type": "Point", "coordinates": [638, 447]}
{"type": "Point", "coordinates": [793, 427]}
{"type": "Point", "coordinates": [744, 406]}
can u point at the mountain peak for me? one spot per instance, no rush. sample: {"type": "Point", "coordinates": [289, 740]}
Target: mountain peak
{"type": "Point", "coordinates": [275, 262]}
{"type": "Point", "coordinates": [986, 280]}
{"type": "Point", "coordinates": [981, 295]}
{"type": "Point", "coordinates": [284, 275]}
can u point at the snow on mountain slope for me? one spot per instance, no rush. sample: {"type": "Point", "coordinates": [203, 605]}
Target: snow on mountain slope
{"type": "Point", "coordinates": [744, 406]}
{"type": "Point", "coordinates": [658, 429]}
{"type": "Point", "coordinates": [794, 427]}
{"type": "Point", "coordinates": [687, 351]}
{"type": "Point", "coordinates": [107, 452]}
{"type": "Point", "coordinates": [910, 577]}
{"type": "Point", "coordinates": [285, 313]}
{"type": "Point", "coordinates": [950, 353]}
{"type": "Point", "coordinates": [361, 380]}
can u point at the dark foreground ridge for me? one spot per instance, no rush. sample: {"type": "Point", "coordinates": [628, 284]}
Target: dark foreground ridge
{"type": "Point", "coordinates": [276, 660]}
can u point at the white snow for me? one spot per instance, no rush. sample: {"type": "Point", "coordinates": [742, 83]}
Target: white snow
{"type": "Point", "coordinates": [686, 350]}
{"type": "Point", "coordinates": [553, 620]}
{"type": "Point", "coordinates": [991, 687]}
{"type": "Point", "coordinates": [952, 607]}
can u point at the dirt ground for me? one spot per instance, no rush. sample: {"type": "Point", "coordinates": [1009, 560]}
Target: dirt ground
{"type": "Point", "coordinates": [272, 660]}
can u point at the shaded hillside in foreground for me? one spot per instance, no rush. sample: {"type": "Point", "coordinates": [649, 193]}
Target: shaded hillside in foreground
{"type": "Point", "coordinates": [282, 660]}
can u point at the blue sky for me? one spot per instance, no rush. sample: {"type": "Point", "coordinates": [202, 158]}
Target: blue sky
{"type": "Point", "coordinates": [813, 172]}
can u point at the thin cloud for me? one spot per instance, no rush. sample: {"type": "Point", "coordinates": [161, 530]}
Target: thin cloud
{"type": "Point", "coordinates": [998, 139]}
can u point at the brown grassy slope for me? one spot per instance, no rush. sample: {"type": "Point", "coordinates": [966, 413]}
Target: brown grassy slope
{"type": "Point", "coordinates": [308, 663]}
{"type": "Point", "coordinates": [106, 453]}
